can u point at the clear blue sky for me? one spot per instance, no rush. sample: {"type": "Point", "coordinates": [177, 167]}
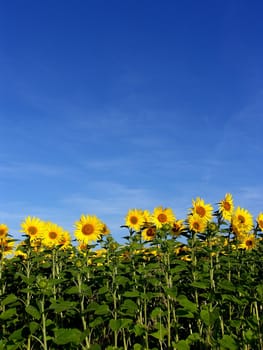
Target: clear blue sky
{"type": "Point", "coordinates": [111, 105]}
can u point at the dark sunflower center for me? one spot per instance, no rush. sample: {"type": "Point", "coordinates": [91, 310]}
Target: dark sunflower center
{"type": "Point", "coordinates": [162, 217]}
{"type": "Point", "coordinates": [200, 211]}
{"type": "Point", "coordinates": [87, 229]}
{"type": "Point", "coordinates": [176, 227]}
{"type": "Point", "coordinates": [52, 235]}
{"type": "Point", "coordinates": [196, 225]}
{"type": "Point", "coordinates": [2, 232]}
{"type": "Point", "coordinates": [150, 232]}
{"type": "Point", "coordinates": [249, 243]}
{"type": "Point", "coordinates": [32, 230]}
{"type": "Point", "coordinates": [241, 219]}
{"type": "Point", "coordinates": [227, 206]}
{"type": "Point", "coordinates": [133, 220]}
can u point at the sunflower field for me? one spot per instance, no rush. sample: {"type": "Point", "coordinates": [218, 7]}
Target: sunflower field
{"type": "Point", "coordinates": [191, 283]}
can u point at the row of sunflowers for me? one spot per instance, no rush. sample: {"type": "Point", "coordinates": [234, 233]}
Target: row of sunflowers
{"type": "Point", "coordinates": [89, 228]}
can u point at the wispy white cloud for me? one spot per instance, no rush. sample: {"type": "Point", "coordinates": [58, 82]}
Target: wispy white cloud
{"type": "Point", "coordinates": [19, 169]}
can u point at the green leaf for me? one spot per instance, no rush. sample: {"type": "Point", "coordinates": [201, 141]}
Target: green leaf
{"type": "Point", "coordinates": [157, 312]}
{"type": "Point", "coordinates": [228, 343]}
{"type": "Point", "coordinates": [92, 306]}
{"type": "Point", "coordinates": [17, 334]}
{"type": "Point", "coordinates": [95, 347]}
{"type": "Point", "coordinates": [6, 315]}
{"type": "Point", "coordinates": [67, 335]}
{"type": "Point", "coordinates": [131, 294]}
{"type": "Point", "coordinates": [32, 311]}
{"type": "Point", "coordinates": [160, 333]}
{"type": "Point", "coordinates": [250, 335]}
{"type": "Point", "coordinates": [176, 270]}
{"type": "Point", "coordinates": [102, 309]}
{"type": "Point", "coordinates": [209, 317]}
{"type": "Point", "coordinates": [153, 281]}
{"type": "Point", "coordinates": [126, 322]}
{"type": "Point", "coordinates": [33, 326]}
{"type": "Point", "coordinates": [186, 303]}
{"type": "Point", "coordinates": [171, 292]}
{"type": "Point", "coordinates": [72, 290]}
{"type": "Point", "coordinates": [11, 298]}
{"type": "Point", "coordinates": [182, 345]}
{"type": "Point", "coordinates": [96, 322]}
{"type": "Point", "coordinates": [115, 325]}
{"type": "Point", "coordinates": [62, 305]}
{"type": "Point", "coordinates": [201, 285]}
{"type": "Point", "coordinates": [184, 313]}
{"type": "Point", "coordinates": [194, 337]}
{"type": "Point", "coordinates": [227, 285]}
{"type": "Point", "coordinates": [121, 280]}
{"type": "Point", "coordinates": [103, 290]}
{"type": "Point", "coordinates": [260, 290]}
{"type": "Point", "coordinates": [130, 306]}
{"type": "Point", "coordinates": [139, 329]}
{"type": "Point", "coordinates": [137, 347]}
{"type": "Point", "coordinates": [235, 323]}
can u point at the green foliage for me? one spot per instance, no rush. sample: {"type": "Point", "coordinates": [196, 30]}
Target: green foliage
{"type": "Point", "coordinates": [158, 295]}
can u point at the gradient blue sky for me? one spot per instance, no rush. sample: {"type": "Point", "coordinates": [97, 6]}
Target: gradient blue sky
{"type": "Point", "coordinates": [111, 105]}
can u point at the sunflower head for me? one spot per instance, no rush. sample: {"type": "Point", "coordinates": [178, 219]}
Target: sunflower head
{"type": "Point", "coordinates": [196, 223]}
{"type": "Point", "coordinates": [162, 216]}
{"type": "Point", "coordinates": [6, 246]}
{"type": "Point", "coordinates": [204, 211]}
{"type": "Point", "coordinates": [89, 228]}
{"type": "Point", "coordinates": [33, 227]}
{"type": "Point", "coordinates": [21, 254]}
{"type": "Point", "coordinates": [177, 227]}
{"type": "Point", "coordinates": [3, 231]}
{"type": "Point", "coordinates": [53, 235]}
{"type": "Point", "coordinates": [105, 230]}
{"type": "Point", "coordinates": [148, 234]}
{"type": "Point", "coordinates": [226, 207]}
{"type": "Point", "coordinates": [65, 240]}
{"type": "Point", "coordinates": [135, 219]}
{"type": "Point", "coordinates": [247, 241]}
{"type": "Point", "coordinates": [260, 221]}
{"type": "Point", "coordinates": [242, 221]}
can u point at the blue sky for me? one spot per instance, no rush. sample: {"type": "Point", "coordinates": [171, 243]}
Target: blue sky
{"type": "Point", "coordinates": [111, 105]}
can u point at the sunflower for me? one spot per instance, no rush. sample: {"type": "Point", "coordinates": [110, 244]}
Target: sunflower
{"type": "Point", "coordinates": [53, 235]}
{"type": "Point", "coordinates": [226, 207]}
{"type": "Point", "coordinates": [33, 227]}
{"type": "Point", "coordinates": [135, 219]}
{"type": "Point", "coordinates": [82, 247]}
{"type": "Point", "coordinates": [247, 241]}
{"type": "Point", "coordinates": [36, 244]}
{"type": "Point", "coordinates": [88, 228]}
{"type": "Point", "coordinates": [177, 227]}
{"type": "Point", "coordinates": [260, 221]}
{"type": "Point", "coordinates": [147, 218]}
{"type": "Point", "coordinates": [100, 253]}
{"type": "Point", "coordinates": [162, 216]}
{"type": "Point", "coordinates": [149, 233]}
{"type": "Point", "coordinates": [65, 240]}
{"type": "Point", "coordinates": [105, 230]}
{"type": "Point", "coordinates": [204, 211]}
{"type": "Point", "coordinates": [21, 254]}
{"type": "Point", "coordinates": [3, 231]}
{"type": "Point", "coordinates": [6, 246]}
{"type": "Point", "coordinates": [242, 221]}
{"type": "Point", "coordinates": [182, 249]}
{"type": "Point", "coordinates": [196, 223]}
